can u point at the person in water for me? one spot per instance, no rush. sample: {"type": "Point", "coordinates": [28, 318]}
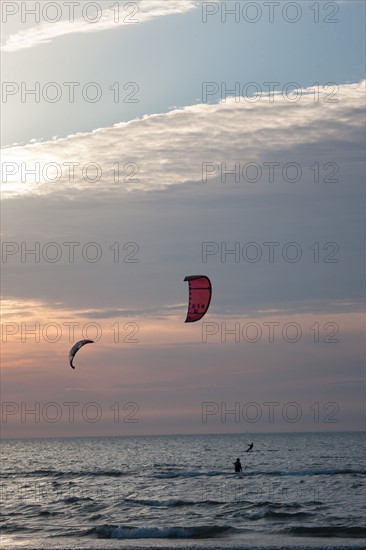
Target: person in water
{"type": "Point", "coordinates": [250, 447]}
{"type": "Point", "coordinates": [237, 465]}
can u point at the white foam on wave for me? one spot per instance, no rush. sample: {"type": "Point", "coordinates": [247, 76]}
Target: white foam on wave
{"type": "Point", "coordinates": [122, 532]}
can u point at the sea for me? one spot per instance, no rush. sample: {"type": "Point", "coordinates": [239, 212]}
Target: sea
{"type": "Point", "coordinates": [296, 491]}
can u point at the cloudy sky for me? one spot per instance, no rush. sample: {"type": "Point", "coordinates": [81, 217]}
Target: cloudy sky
{"type": "Point", "coordinates": [146, 141]}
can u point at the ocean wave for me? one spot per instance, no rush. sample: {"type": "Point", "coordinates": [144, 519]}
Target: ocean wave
{"type": "Point", "coordinates": [295, 473]}
{"type": "Point", "coordinates": [272, 514]}
{"type": "Point", "coordinates": [74, 499]}
{"type": "Point", "coordinates": [174, 473]}
{"type": "Point", "coordinates": [270, 511]}
{"type": "Point", "coordinates": [170, 502]}
{"type": "Point", "coordinates": [326, 531]}
{"type": "Point", "coordinates": [15, 528]}
{"type": "Point", "coordinates": [61, 474]}
{"type": "Point", "coordinates": [299, 473]}
{"type": "Point", "coordinates": [190, 473]}
{"type": "Point", "coordinates": [127, 532]}
{"type": "Point", "coordinates": [275, 505]}
{"type": "Point", "coordinates": [29, 473]}
{"type": "Point", "coordinates": [177, 473]}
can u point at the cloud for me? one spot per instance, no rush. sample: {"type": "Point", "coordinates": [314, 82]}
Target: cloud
{"type": "Point", "coordinates": [162, 150]}
{"type": "Point", "coordinates": [45, 32]}
{"type": "Point", "coordinates": [170, 213]}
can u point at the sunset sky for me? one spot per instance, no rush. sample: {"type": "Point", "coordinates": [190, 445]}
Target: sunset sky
{"type": "Point", "coordinates": [173, 138]}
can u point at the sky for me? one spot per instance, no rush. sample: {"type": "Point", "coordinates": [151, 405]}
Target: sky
{"type": "Point", "coordinates": [146, 141]}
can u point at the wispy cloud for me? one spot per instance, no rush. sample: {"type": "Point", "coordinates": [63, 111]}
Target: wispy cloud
{"type": "Point", "coordinates": [46, 32]}
{"type": "Point", "coordinates": [169, 149]}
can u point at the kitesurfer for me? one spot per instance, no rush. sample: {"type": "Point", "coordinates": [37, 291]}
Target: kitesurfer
{"type": "Point", "coordinates": [237, 465]}
{"type": "Point", "coordinates": [250, 447]}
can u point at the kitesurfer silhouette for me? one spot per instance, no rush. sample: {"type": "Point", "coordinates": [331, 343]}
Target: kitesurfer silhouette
{"type": "Point", "coordinates": [250, 447]}
{"type": "Point", "coordinates": [237, 465]}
